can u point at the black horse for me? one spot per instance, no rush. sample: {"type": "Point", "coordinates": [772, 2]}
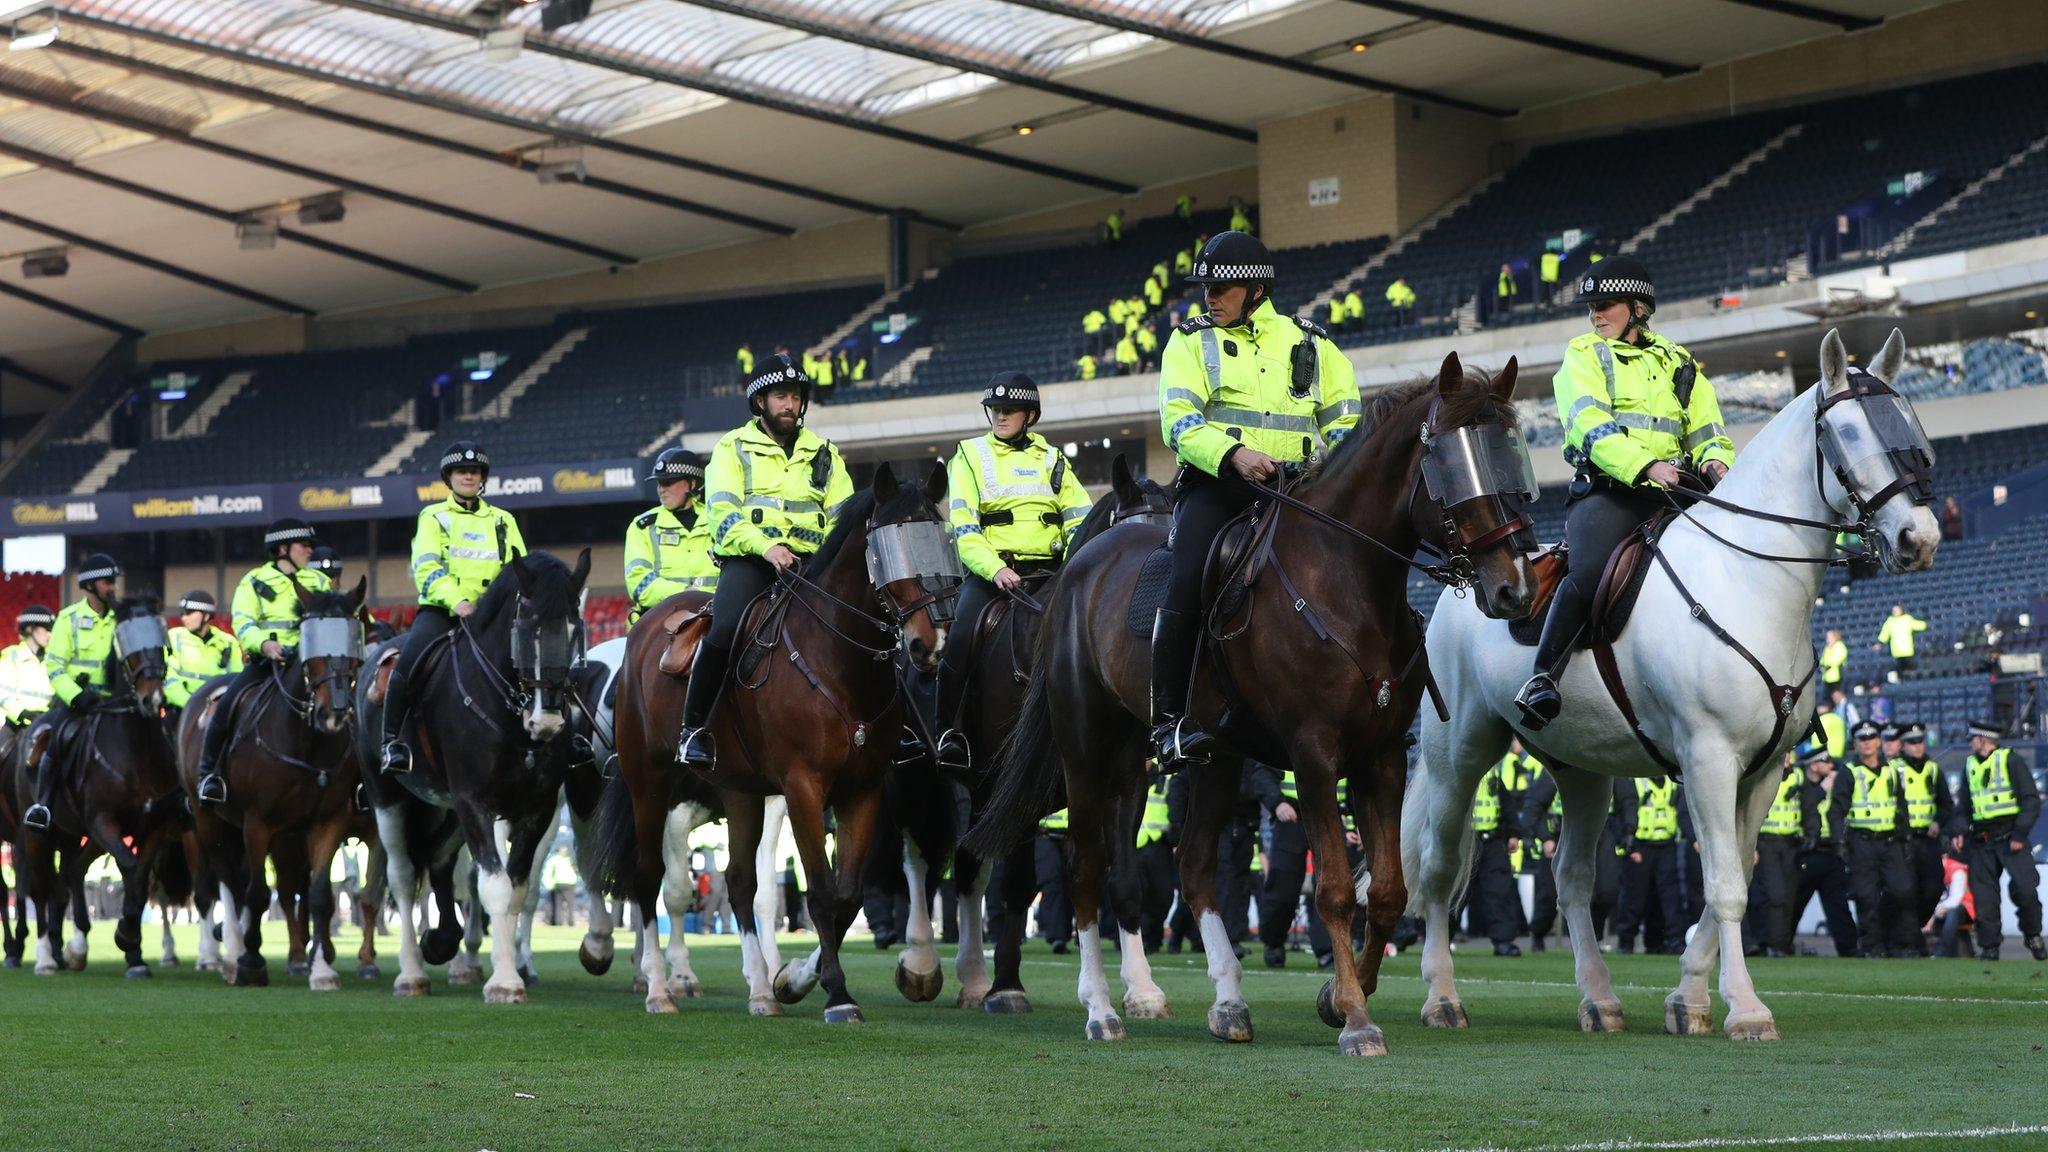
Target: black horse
{"type": "Point", "coordinates": [485, 704]}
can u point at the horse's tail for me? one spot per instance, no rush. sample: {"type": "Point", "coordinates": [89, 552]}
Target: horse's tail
{"type": "Point", "coordinates": [615, 844]}
{"type": "Point", "coordinates": [1415, 817]}
{"type": "Point", "coordinates": [1027, 770]}
{"type": "Point", "coordinates": [173, 874]}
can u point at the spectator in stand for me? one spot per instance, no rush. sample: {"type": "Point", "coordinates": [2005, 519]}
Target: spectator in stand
{"type": "Point", "coordinates": [1134, 314]}
{"type": "Point", "coordinates": [1184, 209]}
{"type": "Point", "coordinates": [1154, 292]}
{"type": "Point", "coordinates": [1505, 289]}
{"type": "Point", "coordinates": [1338, 314]}
{"type": "Point", "coordinates": [1085, 368]}
{"type": "Point", "coordinates": [1184, 261]}
{"type": "Point", "coordinates": [1546, 270]}
{"type": "Point", "coordinates": [1354, 309]}
{"type": "Point", "coordinates": [1094, 331]}
{"type": "Point", "coordinates": [1127, 359]}
{"type": "Point", "coordinates": [1118, 309]}
{"type": "Point", "coordinates": [1897, 634]}
{"type": "Point", "coordinates": [1951, 519]}
{"type": "Point", "coordinates": [1401, 298]}
{"type": "Point", "coordinates": [1148, 347]}
{"type": "Point", "coordinates": [1240, 216]}
{"type": "Point", "coordinates": [1834, 657]}
{"type": "Point", "coordinates": [743, 360]}
{"type": "Point", "coordinates": [1113, 227]}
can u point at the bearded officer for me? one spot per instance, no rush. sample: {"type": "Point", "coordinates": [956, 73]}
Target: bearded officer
{"type": "Point", "coordinates": [668, 547]}
{"type": "Point", "coordinates": [199, 651]}
{"type": "Point", "coordinates": [81, 637]}
{"type": "Point", "coordinates": [1999, 806]}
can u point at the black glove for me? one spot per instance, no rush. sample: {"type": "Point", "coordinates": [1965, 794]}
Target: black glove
{"type": "Point", "coordinates": [86, 700]}
{"type": "Point", "coordinates": [1809, 844]}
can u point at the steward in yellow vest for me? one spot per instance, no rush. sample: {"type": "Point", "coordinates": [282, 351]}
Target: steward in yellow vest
{"type": "Point", "coordinates": [1834, 657]}
{"type": "Point", "coordinates": [199, 651]}
{"type": "Point", "coordinates": [668, 547]}
{"type": "Point", "coordinates": [1999, 807]}
{"type": "Point", "coordinates": [81, 639]}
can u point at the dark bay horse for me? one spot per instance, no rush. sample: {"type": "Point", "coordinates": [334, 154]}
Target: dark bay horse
{"type": "Point", "coordinates": [117, 790]}
{"type": "Point", "coordinates": [814, 720]}
{"type": "Point", "coordinates": [923, 802]}
{"type": "Point", "coordinates": [1323, 665]}
{"type": "Point", "coordinates": [291, 782]}
{"type": "Point", "coordinates": [486, 703]}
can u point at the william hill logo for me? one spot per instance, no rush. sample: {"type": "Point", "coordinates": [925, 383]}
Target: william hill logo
{"type": "Point", "coordinates": [435, 491]}
{"type": "Point", "coordinates": [38, 514]}
{"type": "Point", "coordinates": [323, 499]}
{"type": "Point", "coordinates": [163, 508]}
{"type": "Point", "coordinates": [570, 480]}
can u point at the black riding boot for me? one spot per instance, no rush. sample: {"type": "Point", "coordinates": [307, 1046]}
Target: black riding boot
{"type": "Point", "coordinates": [213, 789]}
{"type": "Point", "coordinates": [397, 757]}
{"type": "Point", "coordinates": [1539, 699]}
{"type": "Point", "coordinates": [1174, 742]}
{"type": "Point", "coordinates": [37, 816]}
{"type": "Point", "coordinates": [694, 745]}
{"type": "Point", "coordinates": [952, 752]}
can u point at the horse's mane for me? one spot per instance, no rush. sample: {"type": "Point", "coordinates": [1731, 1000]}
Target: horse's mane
{"type": "Point", "coordinates": [328, 603]}
{"type": "Point", "coordinates": [143, 603]}
{"type": "Point", "coordinates": [852, 514]}
{"type": "Point", "coordinates": [548, 579]}
{"type": "Point", "coordinates": [1471, 403]}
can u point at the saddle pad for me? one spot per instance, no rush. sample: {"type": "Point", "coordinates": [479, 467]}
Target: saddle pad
{"type": "Point", "coordinates": [380, 673]}
{"type": "Point", "coordinates": [209, 705]}
{"type": "Point", "coordinates": [683, 629]}
{"type": "Point", "coordinates": [1549, 568]}
{"type": "Point", "coordinates": [1622, 581]}
{"type": "Point", "coordinates": [1150, 594]}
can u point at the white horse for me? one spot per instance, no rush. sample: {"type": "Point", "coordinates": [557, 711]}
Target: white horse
{"type": "Point", "coordinates": [1699, 701]}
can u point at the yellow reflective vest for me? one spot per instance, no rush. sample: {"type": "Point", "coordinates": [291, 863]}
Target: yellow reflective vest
{"type": "Point", "coordinates": [1656, 809]}
{"type": "Point", "coordinates": [1015, 500]}
{"type": "Point", "coordinates": [266, 607]}
{"type": "Point", "coordinates": [1834, 734]}
{"type": "Point", "coordinates": [1154, 825]}
{"type": "Point", "coordinates": [77, 655]}
{"type": "Point", "coordinates": [1874, 806]}
{"type": "Point", "coordinates": [1833, 658]}
{"type": "Point", "coordinates": [1085, 368]}
{"type": "Point", "coordinates": [760, 495]}
{"type": "Point", "coordinates": [1619, 405]}
{"type": "Point", "coordinates": [195, 659]}
{"type": "Point", "coordinates": [1991, 793]}
{"type": "Point", "coordinates": [457, 551]}
{"type": "Point", "coordinates": [1221, 387]}
{"type": "Point", "coordinates": [1094, 321]}
{"type": "Point", "coordinates": [1400, 295]}
{"type": "Point", "coordinates": [24, 685]}
{"type": "Point", "coordinates": [1898, 632]}
{"type": "Point", "coordinates": [1919, 782]}
{"type": "Point", "coordinates": [1055, 823]}
{"type": "Point", "coordinates": [667, 554]}
{"type": "Point", "coordinates": [1784, 818]}
{"type": "Point", "coordinates": [744, 359]}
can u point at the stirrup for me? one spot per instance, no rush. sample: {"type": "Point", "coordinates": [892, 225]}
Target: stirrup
{"type": "Point", "coordinates": [37, 818]}
{"type": "Point", "coordinates": [397, 757]}
{"type": "Point", "coordinates": [953, 751]}
{"type": "Point", "coordinates": [696, 749]}
{"type": "Point", "coordinates": [1175, 747]}
{"type": "Point", "coordinates": [580, 752]}
{"type": "Point", "coordinates": [212, 789]}
{"type": "Point", "coordinates": [1539, 701]}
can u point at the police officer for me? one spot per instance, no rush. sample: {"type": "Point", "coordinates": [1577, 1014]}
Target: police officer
{"type": "Point", "coordinates": [1542, 822]}
{"type": "Point", "coordinates": [1157, 877]}
{"type": "Point", "coordinates": [24, 684]}
{"type": "Point", "coordinates": [1243, 390]}
{"type": "Point", "coordinates": [327, 562]}
{"type": "Point", "coordinates": [1821, 871]}
{"type": "Point", "coordinates": [1778, 843]}
{"type": "Point", "coordinates": [266, 616]}
{"type": "Point", "coordinates": [1013, 504]}
{"type": "Point", "coordinates": [668, 547]}
{"type": "Point", "coordinates": [1928, 808]}
{"type": "Point", "coordinates": [1496, 818]}
{"type": "Point", "coordinates": [1634, 408]}
{"type": "Point", "coordinates": [1287, 854]}
{"type": "Point", "coordinates": [1055, 907]}
{"type": "Point", "coordinates": [199, 651]}
{"type": "Point", "coordinates": [76, 657]}
{"type": "Point", "coordinates": [1999, 806]}
{"type": "Point", "coordinates": [776, 487]}
{"type": "Point", "coordinates": [1869, 806]}
{"type": "Point", "coordinates": [458, 547]}
{"type": "Point", "coordinates": [1646, 808]}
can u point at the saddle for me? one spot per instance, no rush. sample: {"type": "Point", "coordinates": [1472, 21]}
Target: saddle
{"type": "Point", "coordinates": [1614, 598]}
{"type": "Point", "coordinates": [208, 702]}
{"type": "Point", "coordinates": [380, 673]}
{"type": "Point", "coordinates": [1246, 535]}
{"type": "Point", "coordinates": [684, 630]}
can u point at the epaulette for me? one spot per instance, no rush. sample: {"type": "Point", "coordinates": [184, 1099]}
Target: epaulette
{"type": "Point", "coordinates": [1194, 324]}
{"type": "Point", "coordinates": [1312, 328]}
{"type": "Point", "coordinates": [645, 519]}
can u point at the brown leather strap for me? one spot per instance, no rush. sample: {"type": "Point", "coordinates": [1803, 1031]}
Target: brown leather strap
{"type": "Point", "coordinates": [1610, 675]}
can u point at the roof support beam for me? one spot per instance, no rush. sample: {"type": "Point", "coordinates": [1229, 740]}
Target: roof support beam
{"type": "Point", "coordinates": [10, 368]}
{"type": "Point", "coordinates": [1093, 15]}
{"type": "Point", "coordinates": [153, 264]}
{"type": "Point", "coordinates": [71, 310]}
{"type": "Point", "coordinates": [550, 45]}
{"type": "Point", "coordinates": [488, 115]}
{"type": "Point", "coordinates": [410, 135]}
{"type": "Point", "coordinates": [66, 167]}
{"type": "Point", "coordinates": [1663, 68]}
{"type": "Point", "coordinates": [818, 24]}
{"type": "Point", "coordinates": [1843, 20]}
{"type": "Point", "coordinates": [164, 131]}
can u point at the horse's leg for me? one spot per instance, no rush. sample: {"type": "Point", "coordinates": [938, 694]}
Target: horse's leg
{"type": "Point", "coordinates": [1438, 822]}
{"type": "Point", "coordinates": [678, 891]}
{"type": "Point", "coordinates": [134, 869]}
{"type": "Point", "coordinates": [650, 827]}
{"type": "Point", "coordinates": [250, 967]}
{"type": "Point", "coordinates": [1091, 813]}
{"type": "Point", "coordinates": [596, 950]}
{"type": "Point", "coordinates": [1212, 793]}
{"type": "Point", "coordinates": [918, 975]}
{"type": "Point", "coordinates": [504, 857]}
{"type": "Point", "coordinates": [294, 882]}
{"type": "Point", "coordinates": [970, 968]}
{"type": "Point", "coordinates": [530, 906]}
{"type": "Point", "coordinates": [81, 908]}
{"type": "Point", "coordinates": [1020, 884]}
{"type": "Point", "coordinates": [768, 892]}
{"type": "Point", "coordinates": [43, 887]}
{"type": "Point", "coordinates": [835, 894]}
{"type": "Point", "coordinates": [1143, 999]}
{"type": "Point", "coordinates": [743, 825]}
{"type": "Point", "coordinates": [466, 967]}
{"type": "Point", "coordinates": [321, 843]}
{"type": "Point", "coordinates": [1726, 813]}
{"type": "Point", "coordinates": [1584, 797]}
{"type": "Point", "coordinates": [1343, 1002]}
{"type": "Point", "coordinates": [370, 908]}
{"type": "Point", "coordinates": [403, 878]}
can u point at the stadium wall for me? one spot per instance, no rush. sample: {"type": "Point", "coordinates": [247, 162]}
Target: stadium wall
{"type": "Point", "coordinates": [1395, 162]}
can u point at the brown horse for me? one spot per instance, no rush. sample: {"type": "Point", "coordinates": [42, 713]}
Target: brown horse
{"type": "Point", "coordinates": [815, 720]}
{"type": "Point", "coordinates": [1313, 660]}
{"type": "Point", "coordinates": [291, 785]}
{"type": "Point", "coordinates": [117, 790]}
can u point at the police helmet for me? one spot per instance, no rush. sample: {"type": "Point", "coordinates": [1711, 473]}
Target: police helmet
{"type": "Point", "coordinates": [465, 454]}
{"type": "Point", "coordinates": [198, 600]}
{"type": "Point", "coordinates": [1012, 390]}
{"type": "Point", "coordinates": [774, 371]}
{"type": "Point", "coordinates": [677, 464]}
{"type": "Point", "coordinates": [287, 530]}
{"type": "Point", "coordinates": [325, 560]}
{"type": "Point", "coordinates": [98, 566]}
{"type": "Point", "coordinates": [35, 616]}
{"type": "Point", "coordinates": [1813, 753]}
{"type": "Point", "coordinates": [1622, 278]}
{"type": "Point", "coordinates": [1233, 258]}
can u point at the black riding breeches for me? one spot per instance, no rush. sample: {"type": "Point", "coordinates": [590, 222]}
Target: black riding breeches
{"type": "Point", "coordinates": [975, 597]}
{"type": "Point", "coordinates": [740, 580]}
{"type": "Point", "coordinates": [1595, 525]}
{"type": "Point", "coordinates": [428, 625]}
{"type": "Point", "coordinates": [222, 724]}
{"type": "Point", "coordinates": [1205, 505]}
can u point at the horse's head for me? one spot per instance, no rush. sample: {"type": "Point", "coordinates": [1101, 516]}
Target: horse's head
{"type": "Point", "coordinates": [1136, 497]}
{"type": "Point", "coordinates": [330, 653]}
{"type": "Point", "coordinates": [547, 633]}
{"type": "Point", "coordinates": [912, 565]}
{"type": "Point", "coordinates": [1476, 482]}
{"type": "Point", "coordinates": [1879, 470]}
{"type": "Point", "coordinates": [141, 649]}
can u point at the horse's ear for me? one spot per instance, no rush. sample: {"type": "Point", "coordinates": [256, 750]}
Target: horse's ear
{"type": "Point", "coordinates": [1121, 481]}
{"type": "Point", "coordinates": [355, 598]}
{"type": "Point", "coordinates": [935, 483]}
{"type": "Point", "coordinates": [519, 574]}
{"type": "Point", "coordinates": [1504, 384]}
{"type": "Point", "coordinates": [305, 597]}
{"type": "Point", "coordinates": [1450, 377]}
{"type": "Point", "coordinates": [1890, 358]}
{"type": "Point", "coordinates": [1834, 362]}
{"type": "Point", "coordinates": [582, 571]}
{"type": "Point", "coordinates": [885, 485]}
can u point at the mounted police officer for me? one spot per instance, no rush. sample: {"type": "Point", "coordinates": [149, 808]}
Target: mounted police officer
{"type": "Point", "coordinates": [1243, 391]}
{"type": "Point", "coordinates": [1999, 806]}
{"type": "Point", "coordinates": [458, 548]}
{"type": "Point", "coordinates": [327, 562]}
{"type": "Point", "coordinates": [1013, 504]}
{"type": "Point", "coordinates": [81, 637]}
{"type": "Point", "coordinates": [775, 489]}
{"type": "Point", "coordinates": [668, 547]}
{"type": "Point", "coordinates": [266, 614]}
{"type": "Point", "coordinates": [199, 651]}
{"type": "Point", "coordinates": [24, 684]}
{"type": "Point", "coordinates": [1635, 408]}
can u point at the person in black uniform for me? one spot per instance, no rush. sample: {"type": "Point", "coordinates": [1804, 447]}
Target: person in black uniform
{"type": "Point", "coordinates": [1233, 865]}
{"type": "Point", "coordinates": [1999, 806]}
{"type": "Point", "coordinates": [1542, 817]}
{"type": "Point", "coordinates": [1776, 879]}
{"type": "Point", "coordinates": [1646, 814]}
{"type": "Point", "coordinates": [1868, 811]}
{"type": "Point", "coordinates": [1286, 857]}
{"type": "Point", "coordinates": [1821, 871]}
{"type": "Point", "coordinates": [1496, 900]}
{"type": "Point", "coordinates": [1928, 808]}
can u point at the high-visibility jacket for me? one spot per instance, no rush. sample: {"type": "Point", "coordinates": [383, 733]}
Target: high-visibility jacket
{"type": "Point", "coordinates": [1239, 222]}
{"type": "Point", "coordinates": [1898, 632]}
{"type": "Point", "coordinates": [1991, 792]}
{"type": "Point", "coordinates": [77, 655]}
{"type": "Point", "coordinates": [266, 606]}
{"type": "Point", "coordinates": [1016, 500]}
{"type": "Point", "coordinates": [1094, 321]}
{"type": "Point", "coordinates": [457, 551]}
{"type": "Point", "coordinates": [1161, 273]}
{"type": "Point", "coordinates": [1400, 295]}
{"type": "Point", "coordinates": [1833, 658]}
{"type": "Point", "coordinates": [1183, 207]}
{"type": "Point", "coordinates": [744, 358]}
{"type": "Point", "coordinates": [1874, 806]}
{"type": "Point", "coordinates": [1506, 288]}
{"type": "Point", "coordinates": [823, 376]}
{"type": "Point", "coordinates": [1154, 824]}
{"type": "Point", "coordinates": [858, 370]}
{"type": "Point", "coordinates": [24, 684]}
{"type": "Point", "coordinates": [1055, 823]}
{"type": "Point", "coordinates": [1117, 309]}
{"type": "Point", "coordinates": [1486, 805]}
{"type": "Point", "coordinates": [195, 659]}
{"type": "Point", "coordinates": [1620, 407]}
{"type": "Point", "coordinates": [1919, 782]}
{"type": "Point", "coordinates": [1155, 292]}
{"type": "Point", "coordinates": [666, 554]}
{"type": "Point", "coordinates": [1113, 227]}
{"type": "Point", "coordinates": [1784, 818]}
{"type": "Point", "coordinates": [1126, 350]}
{"type": "Point", "coordinates": [1085, 368]}
{"type": "Point", "coordinates": [1221, 387]}
{"type": "Point", "coordinates": [1183, 262]}
{"type": "Point", "coordinates": [1337, 312]}
{"type": "Point", "coordinates": [1547, 267]}
{"type": "Point", "coordinates": [1134, 315]}
{"type": "Point", "coordinates": [1148, 341]}
{"type": "Point", "coordinates": [1354, 305]}
{"type": "Point", "coordinates": [1834, 734]}
{"type": "Point", "coordinates": [761, 495]}
{"type": "Point", "coordinates": [1656, 809]}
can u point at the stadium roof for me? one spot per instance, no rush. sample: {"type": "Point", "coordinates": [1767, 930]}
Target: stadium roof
{"type": "Point", "coordinates": [152, 128]}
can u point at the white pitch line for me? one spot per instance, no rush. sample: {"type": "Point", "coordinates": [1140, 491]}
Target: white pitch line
{"type": "Point", "coordinates": [1773, 1141]}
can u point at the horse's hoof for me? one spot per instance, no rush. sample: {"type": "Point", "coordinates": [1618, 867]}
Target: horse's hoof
{"type": "Point", "coordinates": [139, 972]}
{"type": "Point", "coordinates": [844, 1014]}
{"type": "Point", "coordinates": [529, 977]}
{"type": "Point", "coordinates": [593, 963]}
{"type": "Point", "coordinates": [662, 1006]}
{"type": "Point", "coordinates": [1366, 1041]}
{"type": "Point", "coordinates": [1231, 1023]}
{"type": "Point", "coordinates": [1444, 1012]}
{"type": "Point", "coordinates": [685, 988]}
{"type": "Point", "coordinates": [74, 960]}
{"type": "Point", "coordinates": [1146, 1007]}
{"type": "Point", "coordinates": [640, 985]}
{"type": "Point", "coordinates": [47, 969]}
{"type": "Point", "coordinates": [1107, 1028]}
{"type": "Point", "coordinates": [11, 962]}
{"type": "Point", "coordinates": [299, 968]}
{"type": "Point", "coordinates": [464, 976]}
{"type": "Point", "coordinates": [207, 966]}
{"type": "Point", "coordinates": [329, 982]}
{"type": "Point", "coordinates": [369, 972]}
{"type": "Point", "coordinates": [1601, 1016]}
{"type": "Point", "coordinates": [252, 976]}
{"type": "Point", "coordinates": [1009, 1002]}
{"type": "Point", "coordinates": [971, 997]}
{"type": "Point", "coordinates": [919, 987]}
{"type": "Point", "coordinates": [1326, 1005]}
{"type": "Point", "coordinates": [787, 991]}
{"type": "Point", "coordinates": [406, 988]}
{"type": "Point", "coordinates": [440, 945]}
{"type": "Point", "coordinates": [1753, 1028]}
{"type": "Point", "coordinates": [763, 1006]}
{"type": "Point", "coordinates": [504, 993]}
{"type": "Point", "coordinates": [1682, 1019]}
{"type": "Point", "coordinates": [168, 962]}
